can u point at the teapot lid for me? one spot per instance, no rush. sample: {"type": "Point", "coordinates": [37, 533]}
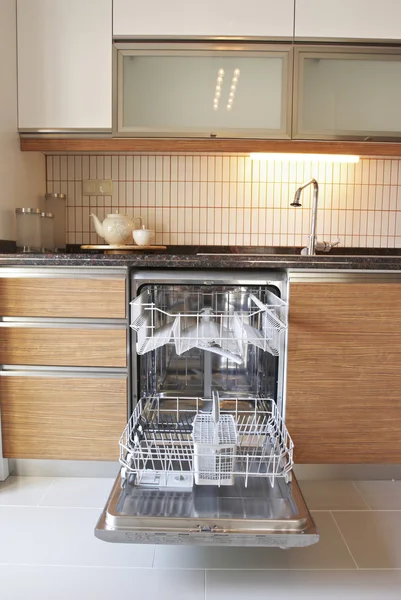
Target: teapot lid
{"type": "Point", "coordinates": [115, 215]}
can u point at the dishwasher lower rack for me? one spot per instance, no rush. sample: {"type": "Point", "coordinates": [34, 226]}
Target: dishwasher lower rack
{"type": "Point", "coordinates": [157, 445]}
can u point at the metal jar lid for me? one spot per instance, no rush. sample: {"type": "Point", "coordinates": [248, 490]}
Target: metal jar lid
{"type": "Point", "coordinates": [28, 211]}
{"type": "Point", "coordinates": [57, 196]}
{"type": "Point", "coordinates": [48, 215]}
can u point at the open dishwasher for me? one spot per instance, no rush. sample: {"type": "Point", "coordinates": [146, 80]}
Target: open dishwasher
{"type": "Point", "coordinates": [206, 457]}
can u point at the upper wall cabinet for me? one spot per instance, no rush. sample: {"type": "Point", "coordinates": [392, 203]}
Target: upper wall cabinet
{"type": "Point", "coordinates": [209, 18]}
{"type": "Point", "coordinates": [340, 20]}
{"type": "Point", "coordinates": [347, 93]}
{"type": "Point", "coordinates": [203, 90]}
{"type": "Point", "coordinates": [64, 64]}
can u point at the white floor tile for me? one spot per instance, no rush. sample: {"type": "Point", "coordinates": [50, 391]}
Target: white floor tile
{"type": "Point", "coordinates": [23, 491]}
{"type": "Point", "coordinates": [65, 583]}
{"type": "Point", "coordinates": [373, 537]}
{"type": "Point", "coordinates": [329, 552]}
{"type": "Point", "coordinates": [381, 495]}
{"type": "Point", "coordinates": [62, 536]}
{"type": "Point", "coordinates": [332, 495]}
{"type": "Point", "coordinates": [78, 491]}
{"type": "Point", "coordinates": [306, 585]}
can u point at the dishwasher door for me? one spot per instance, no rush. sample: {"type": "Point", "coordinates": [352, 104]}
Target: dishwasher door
{"type": "Point", "coordinates": [256, 515]}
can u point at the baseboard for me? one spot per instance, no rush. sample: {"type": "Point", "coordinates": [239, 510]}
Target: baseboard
{"type": "Point", "coordinates": [356, 472]}
{"type": "Point", "coordinates": [63, 468]}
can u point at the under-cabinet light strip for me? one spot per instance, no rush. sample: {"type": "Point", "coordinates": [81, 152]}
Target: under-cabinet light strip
{"type": "Point", "coordinates": [326, 158]}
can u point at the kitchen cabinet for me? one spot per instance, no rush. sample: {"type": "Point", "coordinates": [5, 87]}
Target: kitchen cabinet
{"type": "Point", "coordinates": [64, 64]}
{"type": "Point", "coordinates": [216, 18]}
{"type": "Point", "coordinates": [347, 93]}
{"type": "Point", "coordinates": [344, 379]}
{"type": "Point", "coordinates": [64, 345]}
{"type": "Point", "coordinates": [54, 416]}
{"type": "Point", "coordinates": [63, 362]}
{"type": "Point", "coordinates": [68, 296]}
{"type": "Point", "coordinates": [341, 20]}
{"type": "Point", "coordinates": [206, 90]}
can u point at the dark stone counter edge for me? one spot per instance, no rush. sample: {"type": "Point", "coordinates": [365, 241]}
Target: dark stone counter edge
{"type": "Point", "coordinates": [185, 261]}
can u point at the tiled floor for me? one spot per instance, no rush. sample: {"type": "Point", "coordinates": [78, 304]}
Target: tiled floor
{"type": "Point", "coordinates": [48, 550]}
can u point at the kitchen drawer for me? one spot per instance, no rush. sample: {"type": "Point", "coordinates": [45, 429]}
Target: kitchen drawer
{"type": "Point", "coordinates": [101, 298]}
{"type": "Point", "coordinates": [352, 307]}
{"type": "Point", "coordinates": [64, 346]}
{"type": "Point", "coordinates": [62, 416]}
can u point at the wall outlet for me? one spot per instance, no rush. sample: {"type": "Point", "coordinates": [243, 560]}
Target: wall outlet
{"type": "Point", "coordinates": [97, 187]}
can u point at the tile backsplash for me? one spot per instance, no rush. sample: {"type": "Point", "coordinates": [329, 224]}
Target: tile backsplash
{"type": "Point", "coordinates": [231, 200]}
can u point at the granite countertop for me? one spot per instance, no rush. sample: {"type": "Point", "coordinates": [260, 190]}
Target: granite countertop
{"type": "Point", "coordinates": [196, 257]}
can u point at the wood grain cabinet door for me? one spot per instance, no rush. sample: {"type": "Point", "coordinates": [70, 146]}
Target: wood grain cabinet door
{"type": "Point", "coordinates": [102, 298]}
{"type": "Point", "coordinates": [344, 372]}
{"type": "Point", "coordinates": [63, 346]}
{"type": "Point", "coordinates": [60, 417]}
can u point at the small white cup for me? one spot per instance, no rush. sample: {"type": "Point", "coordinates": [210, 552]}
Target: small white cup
{"type": "Point", "coordinates": [143, 237]}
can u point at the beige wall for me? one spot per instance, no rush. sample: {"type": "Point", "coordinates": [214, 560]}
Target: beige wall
{"type": "Point", "coordinates": [22, 175]}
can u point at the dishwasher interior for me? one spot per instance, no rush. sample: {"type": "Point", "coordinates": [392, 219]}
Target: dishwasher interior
{"type": "Point", "coordinates": [206, 457]}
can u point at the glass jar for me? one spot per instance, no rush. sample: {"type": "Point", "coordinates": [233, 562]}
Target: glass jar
{"type": "Point", "coordinates": [29, 229]}
{"type": "Point", "coordinates": [56, 204]}
{"type": "Point", "coordinates": [47, 232]}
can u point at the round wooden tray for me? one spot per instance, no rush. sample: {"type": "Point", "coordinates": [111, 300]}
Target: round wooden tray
{"type": "Point", "coordinates": [117, 249]}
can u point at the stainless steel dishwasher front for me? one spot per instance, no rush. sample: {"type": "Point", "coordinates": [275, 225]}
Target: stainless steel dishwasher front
{"type": "Point", "coordinates": [208, 343]}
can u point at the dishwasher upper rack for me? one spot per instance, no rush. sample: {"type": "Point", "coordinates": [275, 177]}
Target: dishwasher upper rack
{"type": "Point", "coordinates": [157, 444]}
{"type": "Point", "coordinates": [225, 331]}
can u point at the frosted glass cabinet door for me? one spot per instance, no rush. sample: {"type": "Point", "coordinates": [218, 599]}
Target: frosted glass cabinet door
{"type": "Point", "coordinates": [347, 94]}
{"type": "Point", "coordinates": [179, 92]}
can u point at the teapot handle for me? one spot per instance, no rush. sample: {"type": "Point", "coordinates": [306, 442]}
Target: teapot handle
{"type": "Point", "coordinates": [140, 218]}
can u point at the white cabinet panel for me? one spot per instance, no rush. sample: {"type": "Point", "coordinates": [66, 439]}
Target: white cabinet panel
{"type": "Point", "coordinates": [64, 64]}
{"type": "Point", "coordinates": [261, 18]}
{"type": "Point", "coordinates": [348, 19]}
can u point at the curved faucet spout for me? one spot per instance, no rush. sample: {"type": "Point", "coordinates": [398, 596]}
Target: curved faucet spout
{"type": "Point", "coordinates": [297, 202]}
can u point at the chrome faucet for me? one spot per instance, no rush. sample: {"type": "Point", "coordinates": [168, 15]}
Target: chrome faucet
{"type": "Point", "coordinates": [313, 245]}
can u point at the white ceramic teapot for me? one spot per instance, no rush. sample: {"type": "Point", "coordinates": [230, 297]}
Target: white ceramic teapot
{"type": "Point", "coordinates": [116, 229]}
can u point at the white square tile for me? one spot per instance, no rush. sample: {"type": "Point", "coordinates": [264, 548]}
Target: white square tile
{"type": "Point", "coordinates": [381, 495]}
{"type": "Point", "coordinates": [210, 194]}
{"type": "Point", "coordinates": [329, 553]}
{"type": "Point", "coordinates": [137, 168]}
{"type": "Point", "coordinates": [107, 167]}
{"type": "Point", "coordinates": [373, 537]}
{"type": "Point", "coordinates": [100, 167]}
{"type": "Point", "coordinates": [92, 167]}
{"type": "Point", "coordinates": [241, 169]}
{"type": "Point", "coordinates": [85, 492]}
{"type": "Point", "coordinates": [64, 583]}
{"type": "Point", "coordinates": [298, 585]}
{"type": "Point", "coordinates": [203, 168]}
{"type": "Point", "coordinates": [394, 172]}
{"type": "Point", "coordinates": [225, 173]}
{"type": "Point", "coordinates": [62, 536]}
{"type": "Point", "coordinates": [332, 495]}
{"type": "Point", "coordinates": [23, 491]}
{"type": "Point", "coordinates": [63, 168]}
{"type": "Point", "coordinates": [56, 168]}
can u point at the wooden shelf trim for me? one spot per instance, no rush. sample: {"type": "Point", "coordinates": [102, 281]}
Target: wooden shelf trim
{"type": "Point", "coordinates": [236, 146]}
